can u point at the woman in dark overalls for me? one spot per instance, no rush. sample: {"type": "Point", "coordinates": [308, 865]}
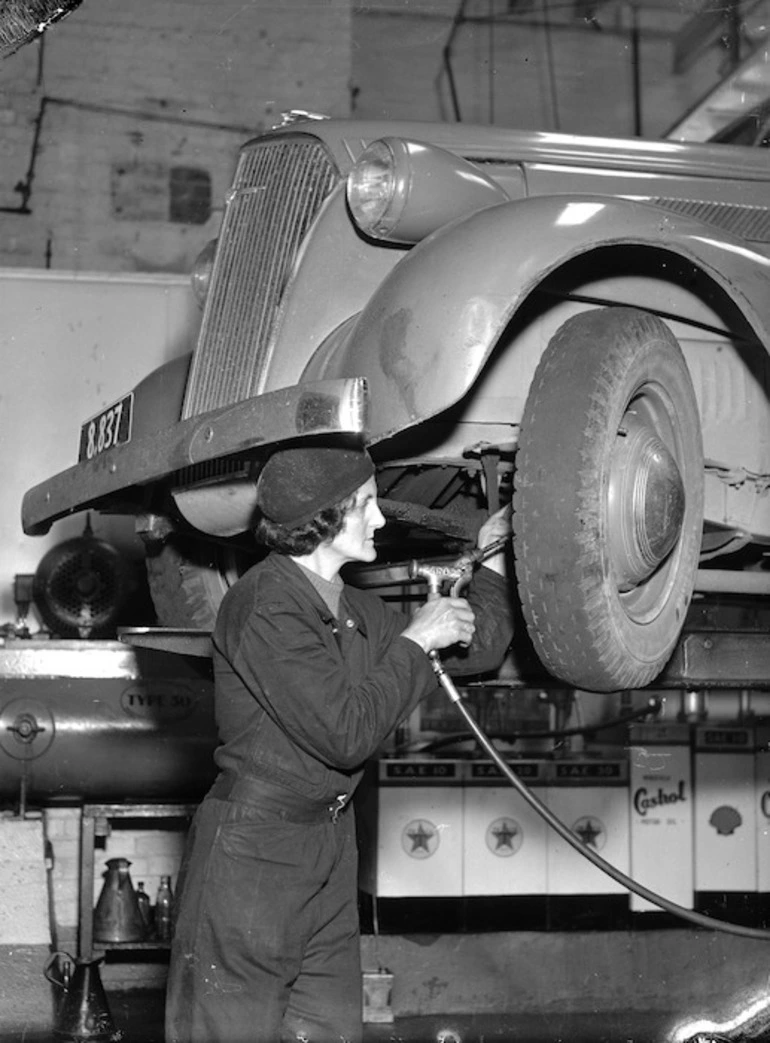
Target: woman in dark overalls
{"type": "Point", "coordinates": [311, 675]}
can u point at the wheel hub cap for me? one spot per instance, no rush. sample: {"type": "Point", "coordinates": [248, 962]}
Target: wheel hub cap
{"type": "Point", "coordinates": [646, 503]}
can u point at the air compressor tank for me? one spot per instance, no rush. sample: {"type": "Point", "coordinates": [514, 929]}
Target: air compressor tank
{"type": "Point", "coordinates": [100, 720]}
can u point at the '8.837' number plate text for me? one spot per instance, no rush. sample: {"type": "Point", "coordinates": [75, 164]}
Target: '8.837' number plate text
{"type": "Point", "coordinates": [107, 429]}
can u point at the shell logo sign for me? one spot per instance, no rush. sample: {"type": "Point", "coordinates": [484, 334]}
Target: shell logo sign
{"type": "Point", "coordinates": [725, 820]}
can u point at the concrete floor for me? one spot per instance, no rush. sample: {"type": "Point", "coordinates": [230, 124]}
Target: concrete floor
{"type": "Point", "coordinates": [135, 1015]}
{"type": "Point", "coordinates": [138, 1014]}
{"type": "Point", "coordinates": [527, 986]}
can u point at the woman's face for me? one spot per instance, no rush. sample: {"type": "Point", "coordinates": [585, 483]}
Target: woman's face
{"type": "Point", "coordinates": [355, 541]}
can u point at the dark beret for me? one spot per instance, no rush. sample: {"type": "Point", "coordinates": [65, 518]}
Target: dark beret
{"type": "Point", "coordinates": [298, 482]}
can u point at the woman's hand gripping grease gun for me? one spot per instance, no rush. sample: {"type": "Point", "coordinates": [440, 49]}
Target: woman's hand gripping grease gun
{"type": "Point", "coordinates": [457, 575]}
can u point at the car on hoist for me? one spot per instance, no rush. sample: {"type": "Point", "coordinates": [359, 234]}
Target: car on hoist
{"type": "Point", "coordinates": [581, 324]}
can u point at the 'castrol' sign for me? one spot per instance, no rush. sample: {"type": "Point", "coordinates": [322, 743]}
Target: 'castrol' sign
{"type": "Point", "coordinates": [661, 818]}
{"type": "Point", "coordinates": [645, 800]}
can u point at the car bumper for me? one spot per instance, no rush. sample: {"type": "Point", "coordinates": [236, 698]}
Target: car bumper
{"type": "Point", "coordinates": [321, 408]}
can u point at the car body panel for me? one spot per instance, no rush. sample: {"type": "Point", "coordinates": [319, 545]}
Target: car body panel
{"type": "Point", "coordinates": [442, 309]}
{"type": "Point", "coordinates": [348, 138]}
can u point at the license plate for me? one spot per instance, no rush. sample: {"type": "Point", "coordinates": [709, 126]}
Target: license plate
{"type": "Point", "coordinates": [107, 429]}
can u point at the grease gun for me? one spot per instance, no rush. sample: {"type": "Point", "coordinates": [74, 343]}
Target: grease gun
{"type": "Point", "coordinates": [456, 575]}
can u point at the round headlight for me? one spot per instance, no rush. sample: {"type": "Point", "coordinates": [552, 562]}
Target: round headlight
{"type": "Point", "coordinates": [200, 276]}
{"type": "Point", "coordinates": [402, 190]}
{"type": "Point", "coordinates": [372, 189]}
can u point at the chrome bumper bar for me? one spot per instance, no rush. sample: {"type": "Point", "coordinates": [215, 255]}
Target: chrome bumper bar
{"type": "Point", "coordinates": [321, 408]}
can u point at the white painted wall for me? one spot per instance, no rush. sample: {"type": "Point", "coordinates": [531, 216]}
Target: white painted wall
{"type": "Point", "coordinates": [71, 343]}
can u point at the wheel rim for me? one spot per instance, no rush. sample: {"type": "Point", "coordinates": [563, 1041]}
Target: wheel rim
{"type": "Point", "coordinates": [646, 504]}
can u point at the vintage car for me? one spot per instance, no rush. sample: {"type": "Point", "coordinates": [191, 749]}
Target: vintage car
{"type": "Point", "coordinates": [580, 324]}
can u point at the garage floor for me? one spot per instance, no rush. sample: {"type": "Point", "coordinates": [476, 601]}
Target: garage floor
{"type": "Point", "coordinates": [139, 1015]}
{"type": "Point", "coordinates": [526, 986]}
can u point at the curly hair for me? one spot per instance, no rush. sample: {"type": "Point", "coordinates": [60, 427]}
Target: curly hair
{"type": "Point", "coordinates": [304, 539]}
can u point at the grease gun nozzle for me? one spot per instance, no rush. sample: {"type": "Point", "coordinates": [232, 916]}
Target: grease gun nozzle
{"type": "Point", "coordinates": [435, 574]}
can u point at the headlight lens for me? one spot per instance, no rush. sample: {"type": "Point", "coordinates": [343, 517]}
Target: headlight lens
{"type": "Point", "coordinates": [372, 189]}
{"type": "Point", "coordinates": [200, 276]}
{"type": "Point", "coordinates": [402, 190]}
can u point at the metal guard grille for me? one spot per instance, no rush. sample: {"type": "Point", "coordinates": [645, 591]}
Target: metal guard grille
{"type": "Point", "coordinates": [749, 222]}
{"type": "Point", "coordinates": [278, 188]}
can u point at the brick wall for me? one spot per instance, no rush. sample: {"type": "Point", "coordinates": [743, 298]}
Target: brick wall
{"type": "Point", "coordinates": [153, 852]}
{"type": "Point", "coordinates": [62, 828]}
{"type": "Point", "coordinates": [99, 117]}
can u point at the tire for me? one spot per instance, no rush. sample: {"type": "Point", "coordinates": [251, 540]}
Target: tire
{"type": "Point", "coordinates": [188, 580]}
{"type": "Point", "coordinates": [608, 500]}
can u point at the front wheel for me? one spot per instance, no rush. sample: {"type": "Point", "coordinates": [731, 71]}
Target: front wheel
{"type": "Point", "coordinates": [608, 501]}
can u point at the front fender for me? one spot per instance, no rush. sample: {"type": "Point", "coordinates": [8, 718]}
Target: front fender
{"type": "Point", "coordinates": [426, 333]}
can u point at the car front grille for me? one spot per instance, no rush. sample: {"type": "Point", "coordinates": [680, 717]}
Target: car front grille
{"type": "Point", "coordinates": [278, 188]}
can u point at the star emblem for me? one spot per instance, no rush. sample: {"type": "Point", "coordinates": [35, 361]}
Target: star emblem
{"type": "Point", "coordinates": [504, 837]}
{"type": "Point", "coordinates": [591, 832]}
{"type": "Point", "coordinates": [420, 838]}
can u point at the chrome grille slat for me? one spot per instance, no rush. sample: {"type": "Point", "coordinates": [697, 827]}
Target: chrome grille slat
{"type": "Point", "coordinates": [277, 190]}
